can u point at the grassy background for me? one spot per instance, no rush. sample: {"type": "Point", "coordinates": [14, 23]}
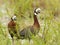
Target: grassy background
{"type": "Point", "coordinates": [49, 19]}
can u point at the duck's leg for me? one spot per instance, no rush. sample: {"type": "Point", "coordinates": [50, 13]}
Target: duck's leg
{"type": "Point", "coordinates": [13, 41]}
{"type": "Point", "coordinates": [31, 42]}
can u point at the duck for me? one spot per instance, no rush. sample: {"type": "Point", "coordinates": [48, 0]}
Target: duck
{"type": "Point", "coordinates": [26, 33]}
{"type": "Point", "coordinates": [12, 28]}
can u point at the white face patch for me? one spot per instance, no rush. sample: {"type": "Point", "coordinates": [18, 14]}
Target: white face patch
{"type": "Point", "coordinates": [38, 9]}
{"type": "Point", "coordinates": [35, 14]}
{"type": "Point", "coordinates": [14, 17]}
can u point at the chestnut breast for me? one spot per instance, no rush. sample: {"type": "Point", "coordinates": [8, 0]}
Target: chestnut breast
{"type": "Point", "coordinates": [11, 24]}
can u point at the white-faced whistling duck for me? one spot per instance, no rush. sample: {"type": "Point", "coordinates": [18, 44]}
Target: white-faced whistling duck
{"type": "Point", "coordinates": [31, 30]}
{"type": "Point", "coordinates": [12, 28]}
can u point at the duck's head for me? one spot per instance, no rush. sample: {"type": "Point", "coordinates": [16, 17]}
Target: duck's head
{"type": "Point", "coordinates": [37, 11]}
{"type": "Point", "coordinates": [13, 18]}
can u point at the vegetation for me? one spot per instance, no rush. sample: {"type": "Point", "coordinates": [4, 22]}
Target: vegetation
{"type": "Point", "coordinates": [23, 9]}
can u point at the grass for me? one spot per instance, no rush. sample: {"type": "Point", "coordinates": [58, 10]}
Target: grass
{"type": "Point", "coordinates": [48, 19]}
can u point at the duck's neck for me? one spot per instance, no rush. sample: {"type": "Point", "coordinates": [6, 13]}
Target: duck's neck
{"type": "Point", "coordinates": [36, 23]}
